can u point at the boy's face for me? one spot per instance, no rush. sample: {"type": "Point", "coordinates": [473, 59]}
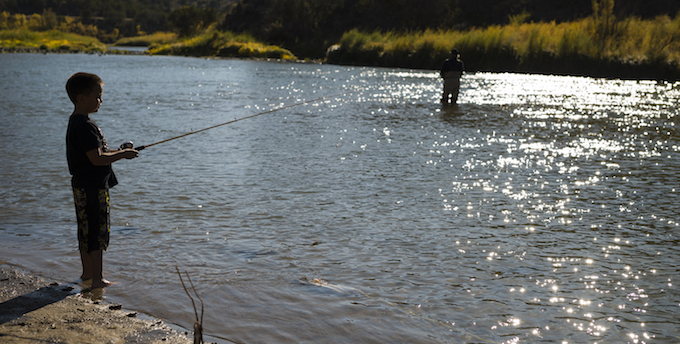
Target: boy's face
{"type": "Point", "coordinates": [89, 102]}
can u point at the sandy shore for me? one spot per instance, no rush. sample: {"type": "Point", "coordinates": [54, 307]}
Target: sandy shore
{"type": "Point", "coordinates": [33, 310]}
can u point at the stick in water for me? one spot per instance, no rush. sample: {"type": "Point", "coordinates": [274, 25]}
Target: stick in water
{"type": "Point", "coordinates": [198, 325]}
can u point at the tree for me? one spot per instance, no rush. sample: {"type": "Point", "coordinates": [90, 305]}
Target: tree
{"type": "Point", "coordinates": [604, 23]}
{"type": "Point", "coordinates": [49, 19]}
{"type": "Point", "coordinates": [190, 20]}
{"type": "Point", "coordinates": [4, 20]}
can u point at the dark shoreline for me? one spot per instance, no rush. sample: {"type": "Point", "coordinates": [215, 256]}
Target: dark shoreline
{"type": "Point", "coordinates": [33, 309]}
{"type": "Point", "coordinates": [30, 50]}
{"type": "Point", "coordinates": [545, 66]}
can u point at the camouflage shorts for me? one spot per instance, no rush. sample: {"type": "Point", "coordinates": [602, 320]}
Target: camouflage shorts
{"type": "Point", "coordinates": [93, 213]}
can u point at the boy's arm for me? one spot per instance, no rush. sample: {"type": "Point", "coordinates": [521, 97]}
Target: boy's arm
{"type": "Point", "coordinates": [100, 158]}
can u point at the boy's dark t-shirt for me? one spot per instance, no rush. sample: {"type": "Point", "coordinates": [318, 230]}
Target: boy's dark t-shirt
{"type": "Point", "coordinates": [84, 135]}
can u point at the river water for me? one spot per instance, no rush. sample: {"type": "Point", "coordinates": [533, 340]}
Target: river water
{"type": "Point", "coordinates": [539, 209]}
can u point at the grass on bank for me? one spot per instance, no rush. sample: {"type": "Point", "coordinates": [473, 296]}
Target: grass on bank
{"type": "Point", "coordinates": [221, 44]}
{"type": "Point", "coordinates": [51, 40]}
{"type": "Point", "coordinates": [627, 46]}
{"type": "Point", "coordinates": [147, 40]}
{"type": "Point", "coordinates": [19, 32]}
{"type": "Point", "coordinates": [212, 43]}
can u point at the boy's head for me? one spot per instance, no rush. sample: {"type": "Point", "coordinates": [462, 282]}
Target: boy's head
{"type": "Point", "coordinates": [82, 84]}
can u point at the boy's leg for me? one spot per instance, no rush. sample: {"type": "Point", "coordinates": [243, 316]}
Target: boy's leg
{"type": "Point", "coordinates": [92, 209]}
{"type": "Point", "coordinates": [93, 268]}
{"type": "Point", "coordinates": [87, 266]}
{"type": "Point", "coordinates": [98, 280]}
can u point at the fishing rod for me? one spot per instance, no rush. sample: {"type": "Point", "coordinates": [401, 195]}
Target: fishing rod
{"type": "Point", "coordinates": [129, 145]}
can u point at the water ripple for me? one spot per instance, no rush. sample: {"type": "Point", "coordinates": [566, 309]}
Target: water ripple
{"type": "Point", "coordinates": [540, 208]}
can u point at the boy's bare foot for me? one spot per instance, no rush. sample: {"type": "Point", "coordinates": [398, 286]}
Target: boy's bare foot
{"type": "Point", "coordinates": [85, 278]}
{"type": "Point", "coordinates": [101, 283]}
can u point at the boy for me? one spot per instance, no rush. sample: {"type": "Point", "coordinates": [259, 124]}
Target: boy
{"type": "Point", "coordinates": [89, 162]}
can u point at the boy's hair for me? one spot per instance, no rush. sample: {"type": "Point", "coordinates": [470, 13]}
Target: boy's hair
{"type": "Point", "coordinates": [81, 83]}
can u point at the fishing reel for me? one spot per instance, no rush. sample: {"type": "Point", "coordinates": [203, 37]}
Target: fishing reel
{"type": "Point", "coordinates": [127, 145]}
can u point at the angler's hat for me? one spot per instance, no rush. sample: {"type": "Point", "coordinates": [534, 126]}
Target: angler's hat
{"type": "Point", "coordinates": [455, 52]}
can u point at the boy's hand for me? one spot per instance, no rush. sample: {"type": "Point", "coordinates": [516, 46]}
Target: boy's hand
{"type": "Point", "coordinates": [130, 153]}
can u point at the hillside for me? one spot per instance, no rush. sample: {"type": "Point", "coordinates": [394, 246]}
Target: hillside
{"type": "Point", "coordinates": [618, 38]}
{"type": "Point", "coordinates": [128, 16]}
{"type": "Point", "coordinates": [285, 21]}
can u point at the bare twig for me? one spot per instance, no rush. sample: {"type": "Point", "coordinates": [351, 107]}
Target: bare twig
{"type": "Point", "coordinates": [198, 296]}
{"type": "Point", "coordinates": [198, 325]}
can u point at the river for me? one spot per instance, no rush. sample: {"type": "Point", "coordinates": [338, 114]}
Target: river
{"type": "Point", "coordinates": [538, 209]}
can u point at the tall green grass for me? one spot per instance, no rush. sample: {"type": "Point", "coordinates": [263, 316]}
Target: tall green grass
{"type": "Point", "coordinates": [49, 40]}
{"type": "Point", "coordinates": [148, 40]}
{"type": "Point", "coordinates": [633, 47]}
{"type": "Point", "coordinates": [221, 44]}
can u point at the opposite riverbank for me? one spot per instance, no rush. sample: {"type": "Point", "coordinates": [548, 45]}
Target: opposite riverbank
{"type": "Point", "coordinates": [33, 310]}
{"type": "Point", "coordinates": [597, 46]}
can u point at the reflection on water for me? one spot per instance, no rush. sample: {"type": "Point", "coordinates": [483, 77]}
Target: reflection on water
{"type": "Point", "coordinates": [540, 208]}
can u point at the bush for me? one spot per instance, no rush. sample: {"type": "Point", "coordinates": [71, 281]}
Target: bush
{"type": "Point", "coordinates": [147, 40]}
{"type": "Point", "coordinates": [222, 44]}
{"type": "Point", "coordinates": [630, 48]}
{"type": "Point", "coordinates": [49, 40]}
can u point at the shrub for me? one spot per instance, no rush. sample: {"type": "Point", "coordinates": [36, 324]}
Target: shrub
{"type": "Point", "coordinates": [222, 44]}
{"type": "Point", "coordinates": [147, 40]}
{"type": "Point", "coordinates": [591, 46]}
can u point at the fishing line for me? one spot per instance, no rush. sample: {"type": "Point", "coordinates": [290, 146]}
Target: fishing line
{"type": "Point", "coordinates": [242, 118]}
